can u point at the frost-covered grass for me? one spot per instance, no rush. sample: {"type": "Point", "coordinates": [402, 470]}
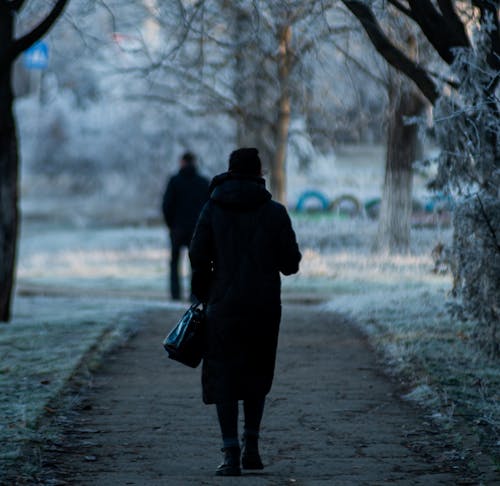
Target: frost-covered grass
{"type": "Point", "coordinates": [434, 353]}
{"type": "Point", "coordinates": [94, 258]}
{"type": "Point", "coordinates": [40, 349]}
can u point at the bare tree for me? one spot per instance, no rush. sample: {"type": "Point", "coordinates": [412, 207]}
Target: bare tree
{"type": "Point", "coordinates": [265, 108]}
{"type": "Point", "coordinates": [277, 61]}
{"type": "Point", "coordinates": [10, 49]}
{"type": "Point", "coordinates": [403, 107]}
{"type": "Point", "coordinates": [242, 60]}
{"type": "Point", "coordinates": [466, 36]}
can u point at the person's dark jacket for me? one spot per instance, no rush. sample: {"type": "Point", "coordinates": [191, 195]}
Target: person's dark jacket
{"type": "Point", "coordinates": [242, 241]}
{"type": "Point", "coordinates": [185, 195]}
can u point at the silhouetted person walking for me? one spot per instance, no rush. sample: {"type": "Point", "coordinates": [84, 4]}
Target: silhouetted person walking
{"type": "Point", "coordinates": [242, 241]}
{"type": "Point", "coordinates": [185, 195]}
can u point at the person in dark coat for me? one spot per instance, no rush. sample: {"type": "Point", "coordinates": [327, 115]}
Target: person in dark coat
{"type": "Point", "coordinates": [185, 195]}
{"type": "Point", "coordinates": [242, 241]}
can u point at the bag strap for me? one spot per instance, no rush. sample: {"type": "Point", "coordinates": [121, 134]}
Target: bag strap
{"type": "Point", "coordinates": [197, 303]}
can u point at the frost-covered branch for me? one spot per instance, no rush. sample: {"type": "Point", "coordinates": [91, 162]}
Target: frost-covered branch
{"type": "Point", "coordinates": [467, 131]}
{"type": "Point", "coordinates": [489, 224]}
{"type": "Point", "coordinates": [360, 65]}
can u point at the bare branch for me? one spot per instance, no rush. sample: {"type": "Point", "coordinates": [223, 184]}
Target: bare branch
{"type": "Point", "coordinates": [39, 31]}
{"type": "Point", "coordinates": [402, 8]}
{"type": "Point", "coordinates": [488, 224]}
{"type": "Point", "coordinates": [15, 5]}
{"type": "Point", "coordinates": [447, 8]}
{"type": "Point", "coordinates": [444, 79]}
{"type": "Point", "coordinates": [443, 34]}
{"type": "Point", "coordinates": [390, 52]}
{"type": "Point", "coordinates": [360, 65]}
{"type": "Point", "coordinates": [490, 8]}
{"type": "Point", "coordinates": [301, 49]}
{"type": "Point", "coordinates": [110, 12]}
{"type": "Point", "coordinates": [453, 21]}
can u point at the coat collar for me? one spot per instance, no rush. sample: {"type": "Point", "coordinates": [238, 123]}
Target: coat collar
{"type": "Point", "coordinates": [239, 191]}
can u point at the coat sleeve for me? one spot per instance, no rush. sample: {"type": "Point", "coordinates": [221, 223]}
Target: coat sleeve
{"type": "Point", "coordinates": [201, 255]}
{"type": "Point", "coordinates": [168, 203]}
{"type": "Point", "coordinates": [289, 255]}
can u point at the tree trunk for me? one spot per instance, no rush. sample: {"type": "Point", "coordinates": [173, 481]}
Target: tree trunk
{"type": "Point", "coordinates": [8, 216]}
{"type": "Point", "coordinates": [393, 234]}
{"type": "Point", "coordinates": [8, 189]}
{"type": "Point", "coordinates": [10, 48]}
{"type": "Point", "coordinates": [278, 172]}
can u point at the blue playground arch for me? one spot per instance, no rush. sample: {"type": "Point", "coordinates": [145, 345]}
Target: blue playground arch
{"type": "Point", "coordinates": [317, 195]}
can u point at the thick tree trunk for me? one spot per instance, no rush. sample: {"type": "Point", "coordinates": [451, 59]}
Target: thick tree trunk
{"type": "Point", "coordinates": [8, 194]}
{"type": "Point", "coordinates": [393, 234]}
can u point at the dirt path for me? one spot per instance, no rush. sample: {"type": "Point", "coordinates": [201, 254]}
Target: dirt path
{"type": "Point", "coordinates": [331, 418]}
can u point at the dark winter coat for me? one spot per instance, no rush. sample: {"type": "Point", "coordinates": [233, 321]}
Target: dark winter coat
{"type": "Point", "coordinates": [242, 241]}
{"type": "Point", "coordinates": [185, 195]}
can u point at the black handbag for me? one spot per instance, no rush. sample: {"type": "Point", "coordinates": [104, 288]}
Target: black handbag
{"type": "Point", "coordinates": [185, 342]}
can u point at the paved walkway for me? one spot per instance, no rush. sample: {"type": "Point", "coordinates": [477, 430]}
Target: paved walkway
{"type": "Point", "coordinates": [331, 419]}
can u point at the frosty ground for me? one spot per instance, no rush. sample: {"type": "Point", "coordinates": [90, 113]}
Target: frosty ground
{"type": "Point", "coordinates": [81, 290]}
{"type": "Point", "coordinates": [332, 418]}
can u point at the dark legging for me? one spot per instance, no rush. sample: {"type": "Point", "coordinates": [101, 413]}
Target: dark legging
{"type": "Point", "coordinates": [228, 419]}
{"type": "Point", "coordinates": [179, 238]}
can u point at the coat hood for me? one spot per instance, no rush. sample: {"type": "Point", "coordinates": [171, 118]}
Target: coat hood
{"type": "Point", "coordinates": [239, 191]}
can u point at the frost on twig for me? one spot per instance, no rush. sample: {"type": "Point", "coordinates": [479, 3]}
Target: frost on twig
{"type": "Point", "coordinates": [467, 128]}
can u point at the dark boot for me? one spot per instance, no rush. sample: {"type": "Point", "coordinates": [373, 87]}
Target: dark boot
{"type": "Point", "coordinates": [231, 464]}
{"type": "Point", "coordinates": [250, 457]}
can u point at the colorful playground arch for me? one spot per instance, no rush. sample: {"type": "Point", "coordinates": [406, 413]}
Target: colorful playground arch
{"type": "Point", "coordinates": [345, 204]}
{"type": "Point", "coordinates": [312, 195]}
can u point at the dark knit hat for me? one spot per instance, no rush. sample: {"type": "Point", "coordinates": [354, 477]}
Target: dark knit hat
{"type": "Point", "coordinates": [245, 161]}
{"type": "Point", "coordinates": [189, 158]}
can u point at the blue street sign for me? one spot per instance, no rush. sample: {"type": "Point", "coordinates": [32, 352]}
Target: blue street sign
{"type": "Point", "coordinates": [37, 56]}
